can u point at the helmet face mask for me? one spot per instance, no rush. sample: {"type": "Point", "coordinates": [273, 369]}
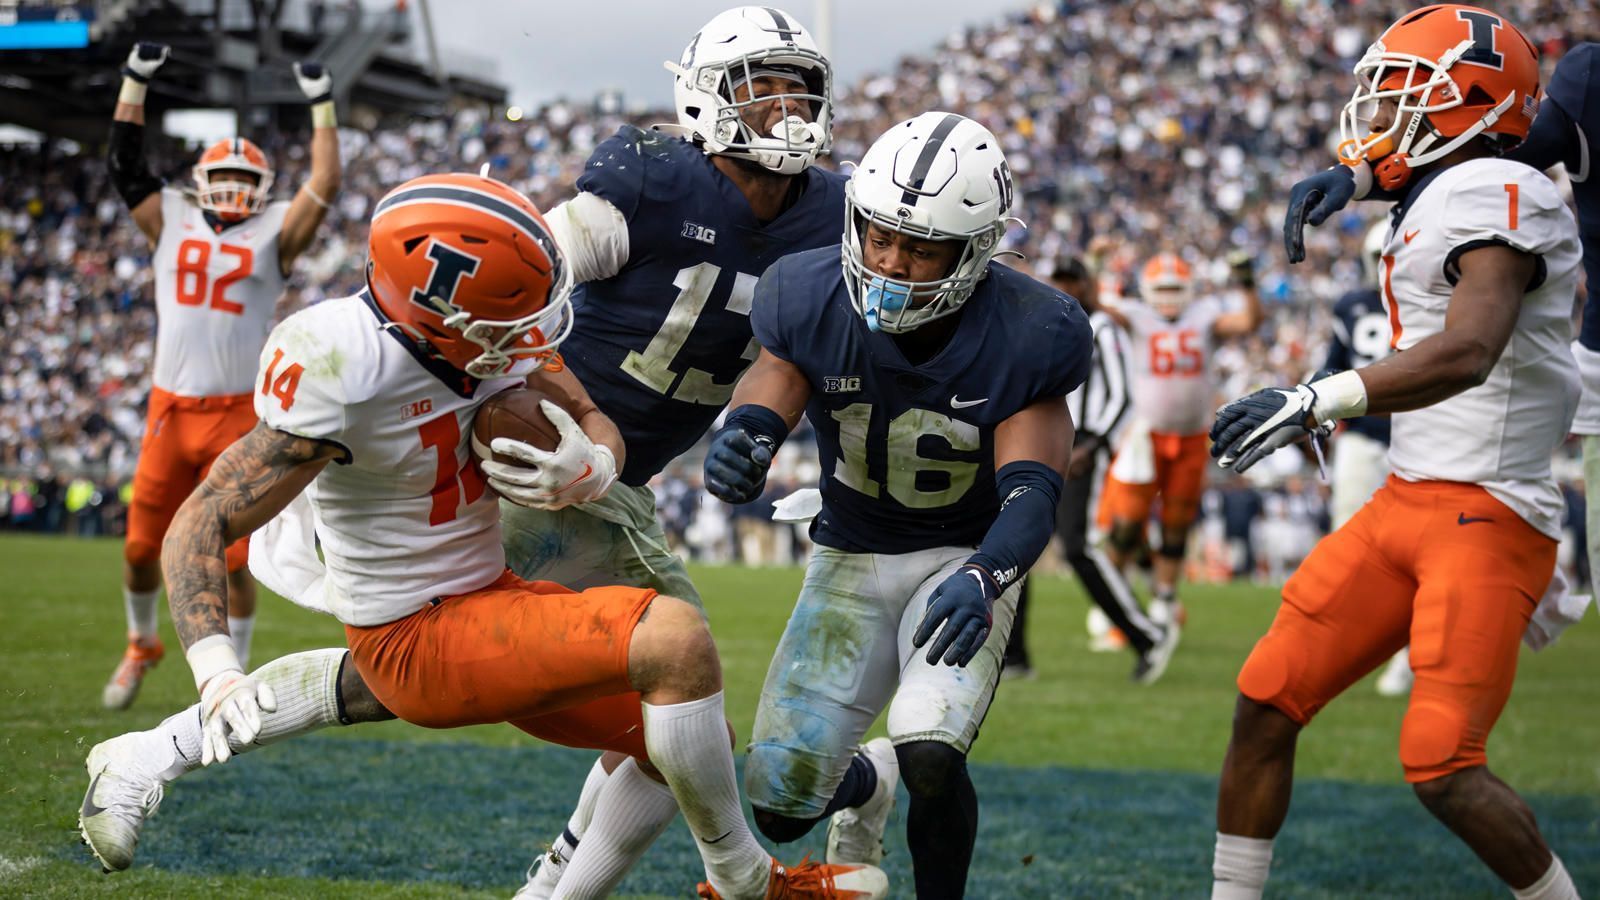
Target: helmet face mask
{"type": "Point", "coordinates": [937, 177]}
{"type": "Point", "coordinates": [466, 267]}
{"type": "Point", "coordinates": [222, 177]}
{"type": "Point", "coordinates": [716, 84]}
{"type": "Point", "coordinates": [1167, 285]}
{"type": "Point", "coordinates": [1440, 76]}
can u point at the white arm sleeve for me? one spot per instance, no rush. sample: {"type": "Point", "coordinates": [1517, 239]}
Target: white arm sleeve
{"type": "Point", "coordinates": [592, 234]}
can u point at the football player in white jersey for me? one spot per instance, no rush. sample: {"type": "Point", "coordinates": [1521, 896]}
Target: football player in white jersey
{"type": "Point", "coordinates": [1163, 450]}
{"type": "Point", "coordinates": [220, 253]}
{"type": "Point", "coordinates": [1454, 552]}
{"type": "Point", "coordinates": [366, 404]}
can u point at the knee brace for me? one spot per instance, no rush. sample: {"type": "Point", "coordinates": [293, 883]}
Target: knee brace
{"type": "Point", "coordinates": [781, 829]}
{"type": "Point", "coordinates": [929, 768]}
{"type": "Point", "coordinates": [1434, 741]}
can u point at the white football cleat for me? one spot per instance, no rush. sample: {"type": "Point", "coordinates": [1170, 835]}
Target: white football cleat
{"type": "Point", "coordinates": [855, 834]}
{"type": "Point", "coordinates": [545, 873]}
{"type": "Point", "coordinates": [126, 782]}
{"type": "Point", "coordinates": [1152, 663]}
{"type": "Point", "coordinates": [1397, 677]}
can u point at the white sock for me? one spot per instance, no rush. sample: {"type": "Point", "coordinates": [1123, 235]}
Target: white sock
{"type": "Point", "coordinates": [1556, 884]}
{"type": "Point", "coordinates": [631, 813]}
{"type": "Point", "coordinates": [307, 686]}
{"type": "Point", "coordinates": [587, 799]}
{"type": "Point", "coordinates": [688, 743]}
{"type": "Point", "coordinates": [141, 609]}
{"type": "Point", "coordinates": [239, 628]}
{"type": "Point", "coordinates": [1240, 867]}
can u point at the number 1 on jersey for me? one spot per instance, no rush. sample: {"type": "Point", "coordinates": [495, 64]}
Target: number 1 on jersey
{"type": "Point", "coordinates": [451, 480]}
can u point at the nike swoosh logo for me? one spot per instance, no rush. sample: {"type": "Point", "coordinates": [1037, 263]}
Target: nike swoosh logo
{"type": "Point", "coordinates": [1411, 234]}
{"type": "Point", "coordinates": [724, 834]}
{"type": "Point", "coordinates": [958, 403]}
{"type": "Point", "coordinates": [1464, 519]}
{"type": "Point", "coordinates": [89, 809]}
{"type": "Point", "coordinates": [587, 471]}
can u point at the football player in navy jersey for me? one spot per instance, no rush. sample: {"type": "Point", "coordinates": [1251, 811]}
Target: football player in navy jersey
{"type": "Point", "coordinates": [936, 380]}
{"type": "Point", "coordinates": [669, 231]}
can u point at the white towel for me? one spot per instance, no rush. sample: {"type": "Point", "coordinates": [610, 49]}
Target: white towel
{"type": "Point", "coordinates": [1558, 610]}
{"type": "Point", "coordinates": [1135, 462]}
{"type": "Point", "coordinates": [283, 556]}
{"type": "Point", "coordinates": [800, 506]}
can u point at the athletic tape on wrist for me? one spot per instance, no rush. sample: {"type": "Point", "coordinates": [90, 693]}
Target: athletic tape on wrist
{"type": "Point", "coordinates": [1342, 395]}
{"type": "Point", "coordinates": [324, 115]}
{"type": "Point", "coordinates": [133, 91]}
{"type": "Point", "coordinates": [210, 656]}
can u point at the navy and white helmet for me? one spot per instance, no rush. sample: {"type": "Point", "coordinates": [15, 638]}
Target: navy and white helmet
{"type": "Point", "coordinates": [735, 48]}
{"type": "Point", "coordinates": [938, 177]}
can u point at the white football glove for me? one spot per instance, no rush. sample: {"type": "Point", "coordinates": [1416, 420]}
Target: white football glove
{"type": "Point", "coordinates": [577, 471]}
{"type": "Point", "coordinates": [316, 82]}
{"type": "Point", "coordinates": [144, 59]}
{"type": "Point", "coordinates": [231, 703]}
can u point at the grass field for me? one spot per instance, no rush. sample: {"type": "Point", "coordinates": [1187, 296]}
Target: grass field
{"type": "Point", "coordinates": [1091, 787]}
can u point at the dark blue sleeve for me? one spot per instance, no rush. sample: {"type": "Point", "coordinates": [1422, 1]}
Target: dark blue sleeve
{"type": "Point", "coordinates": [766, 313]}
{"type": "Point", "coordinates": [1073, 351]}
{"type": "Point", "coordinates": [1565, 110]}
{"type": "Point", "coordinates": [615, 172]}
{"type": "Point", "coordinates": [1339, 348]}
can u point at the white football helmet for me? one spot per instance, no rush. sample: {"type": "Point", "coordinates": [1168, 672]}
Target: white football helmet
{"type": "Point", "coordinates": [938, 177]}
{"type": "Point", "coordinates": [735, 48]}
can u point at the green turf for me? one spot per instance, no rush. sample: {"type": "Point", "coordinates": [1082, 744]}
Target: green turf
{"type": "Point", "coordinates": [64, 632]}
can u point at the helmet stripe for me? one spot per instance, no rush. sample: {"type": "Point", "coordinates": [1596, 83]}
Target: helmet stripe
{"type": "Point", "coordinates": [462, 196]}
{"type": "Point", "coordinates": [930, 152]}
{"type": "Point", "coordinates": [778, 19]}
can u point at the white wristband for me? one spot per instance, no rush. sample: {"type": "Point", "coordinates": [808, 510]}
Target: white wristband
{"type": "Point", "coordinates": [211, 655]}
{"type": "Point", "coordinates": [132, 92]}
{"type": "Point", "coordinates": [1342, 395]}
{"type": "Point", "coordinates": [323, 115]}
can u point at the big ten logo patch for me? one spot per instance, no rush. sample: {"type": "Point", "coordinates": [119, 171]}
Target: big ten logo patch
{"type": "Point", "coordinates": [416, 408]}
{"type": "Point", "coordinates": [699, 233]}
{"type": "Point", "coordinates": [841, 384]}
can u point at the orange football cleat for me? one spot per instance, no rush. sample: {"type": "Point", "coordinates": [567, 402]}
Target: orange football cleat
{"type": "Point", "coordinates": [818, 881]}
{"type": "Point", "coordinates": [140, 657]}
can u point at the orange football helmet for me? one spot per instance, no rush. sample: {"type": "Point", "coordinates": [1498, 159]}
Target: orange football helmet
{"type": "Point", "coordinates": [1454, 72]}
{"type": "Point", "coordinates": [1167, 284]}
{"type": "Point", "coordinates": [466, 266]}
{"type": "Point", "coordinates": [221, 190]}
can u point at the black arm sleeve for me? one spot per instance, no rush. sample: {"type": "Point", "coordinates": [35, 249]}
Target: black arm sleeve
{"type": "Point", "coordinates": [130, 174]}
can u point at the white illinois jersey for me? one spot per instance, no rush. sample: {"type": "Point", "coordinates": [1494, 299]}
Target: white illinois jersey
{"type": "Point", "coordinates": [215, 296]}
{"type": "Point", "coordinates": [407, 516]}
{"type": "Point", "coordinates": [1501, 433]}
{"type": "Point", "coordinates": [1174, 390]}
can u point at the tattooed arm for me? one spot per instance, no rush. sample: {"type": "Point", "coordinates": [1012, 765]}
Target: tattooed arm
{"type": "Point", "coordinates": [249, 484]}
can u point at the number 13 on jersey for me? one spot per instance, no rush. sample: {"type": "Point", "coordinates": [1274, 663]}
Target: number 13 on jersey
{"type": "Point", "coordinates": [654, 365]}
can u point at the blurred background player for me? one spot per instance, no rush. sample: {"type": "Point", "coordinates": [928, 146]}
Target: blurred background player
{"type": "Point", "coordinates": [221, 253]}
{"type": "Point", "coordinates": [468, 297]}
{"type": "Point", "coordinates": [667, 236]}
{"type": "Point", "coordinates": [1162, 453]}
{"type": "Point", "coordinates": [1456, 550]}
{"type": "Point", "coordinates": [1360, 451]}
{"type": "Point", "coordinates": [936, 380]}
{"type": "Point", "coordinates": [1099, 410]}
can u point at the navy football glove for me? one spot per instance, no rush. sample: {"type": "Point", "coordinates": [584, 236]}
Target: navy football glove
{"type": "Point", "coordinates": [1250, 428]}
{"type": "Point", "coordinates": [1311, 201]}
{"type": "Point", "coordinates": [736, 464]}
{"type": "Point", "coordinates": [963, 603]}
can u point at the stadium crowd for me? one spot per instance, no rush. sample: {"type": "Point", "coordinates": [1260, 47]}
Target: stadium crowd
{"type": "Point", "coordinates": [1158, 124]}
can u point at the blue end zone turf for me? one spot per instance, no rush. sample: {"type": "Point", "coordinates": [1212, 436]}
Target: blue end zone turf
{"type": "Point", "coordinates": [473, 815]}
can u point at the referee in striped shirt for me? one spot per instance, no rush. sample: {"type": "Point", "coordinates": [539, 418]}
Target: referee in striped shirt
{"type": "Point", "coordinates": [1099, 408]}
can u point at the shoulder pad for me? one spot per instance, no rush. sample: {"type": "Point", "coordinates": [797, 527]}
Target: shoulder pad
{"type": "Point", "coordinates": [1569, 83]}
{"type": "Point", "coordinates": [637, 164]}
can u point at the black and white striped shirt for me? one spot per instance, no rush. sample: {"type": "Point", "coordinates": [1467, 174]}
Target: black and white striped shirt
{"type": "Point", "coordinates": [1100, 406]}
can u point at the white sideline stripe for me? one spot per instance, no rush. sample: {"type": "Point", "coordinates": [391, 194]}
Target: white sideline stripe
{"type": "Point", "coordinates": [12, 869]}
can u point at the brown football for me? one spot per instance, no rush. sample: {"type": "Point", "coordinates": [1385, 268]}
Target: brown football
{"type": "Point", "coordinates": [514, 414]}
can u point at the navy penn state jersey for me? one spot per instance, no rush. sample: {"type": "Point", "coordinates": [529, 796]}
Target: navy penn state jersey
{"type": "Point", "coordinates": [660, 344]}
{"type": "Point", "coordinates": [1360, 338]}
{"type": "Point", "coordinates": [907, 451]}
{"type": "Point", "coordinates": [1567, 130]}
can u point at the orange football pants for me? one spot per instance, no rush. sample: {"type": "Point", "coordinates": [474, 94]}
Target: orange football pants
{"type": "Point", "coordinates": [551, 661]}
{"type": "Point", "coordinates": [1180, 480]}
{"type": "Point", "coordinates": [183, 436]}
{"type": "Point", "coordinates": [1443, 566]}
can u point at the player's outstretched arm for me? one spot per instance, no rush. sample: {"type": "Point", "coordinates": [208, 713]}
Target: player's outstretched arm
{"type": "Point", "coordinates": [312, 201]}
{"type": "Point", "coordinates": [249, 483]}
{"type": "Point", "coordinates": [766, 405]}
{"type": "Point", "coordinates": [1242, 277]}
{"type": "Point", "coordinates": [130, 173]}
{"type": "Point", "coordinates": [1031, 450]}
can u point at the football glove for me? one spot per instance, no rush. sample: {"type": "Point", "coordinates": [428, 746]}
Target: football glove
{"type": "Point", "coordinates": [144, 59]}
{"type": "Point", "coordinates": [316, 82]}
{"type": "Point", "coordinates": [1311, 201]}
{"type": "Point", "coordinates": [963, 603]}
{"type": "Point", "coordinates": [231, 703]}
{"type": "Point", "coordinates": [577, 471]}
{"type": "Point", "coordinates": [1250, 428]}
{"type": "Point", "coordinates": [736, 464]}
